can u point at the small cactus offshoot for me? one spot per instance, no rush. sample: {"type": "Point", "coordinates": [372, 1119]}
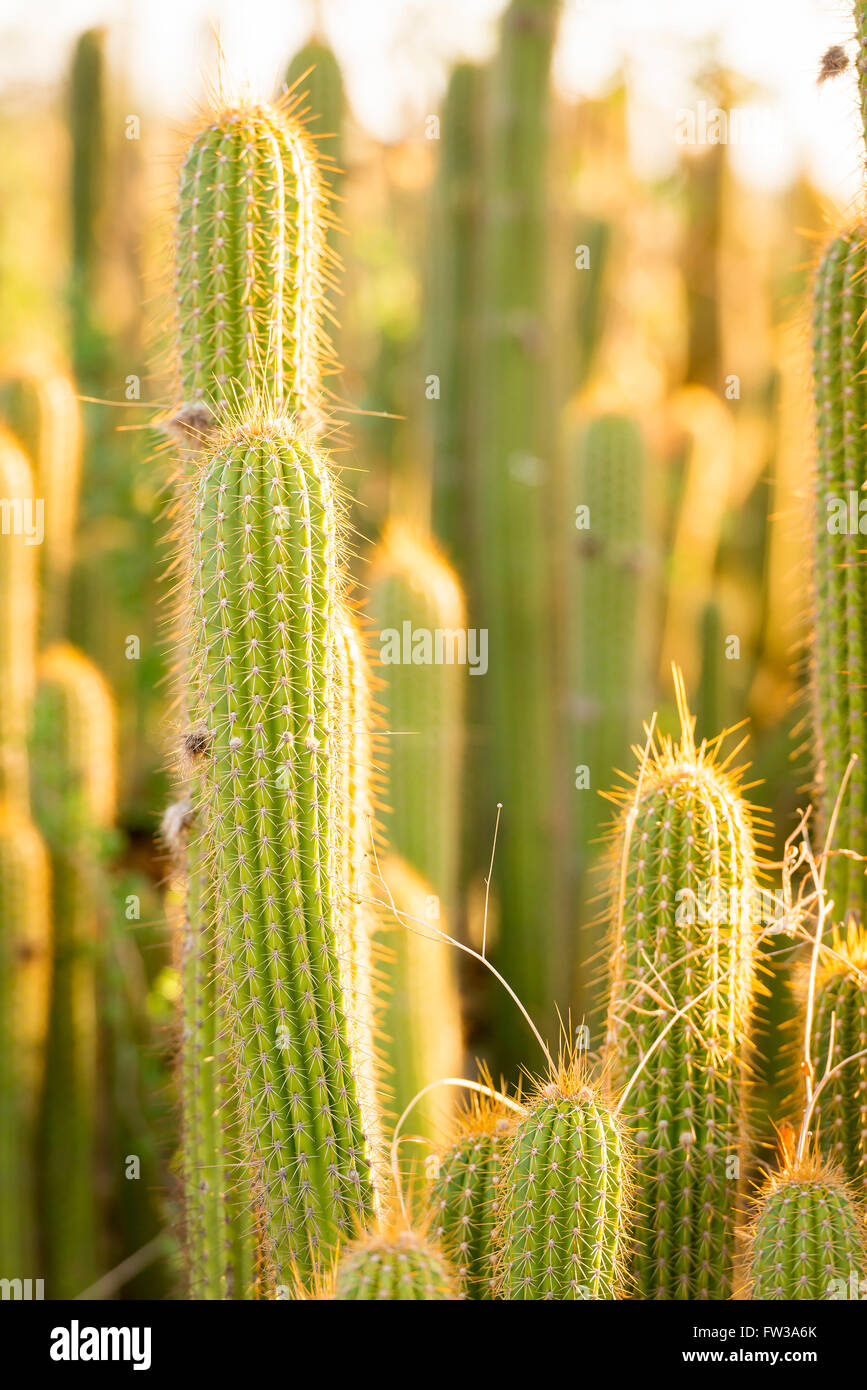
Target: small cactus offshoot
{"type": "Point", "coordinates": [807, 1240]}
{"type": "Point", "coordinates": [398, 1266]}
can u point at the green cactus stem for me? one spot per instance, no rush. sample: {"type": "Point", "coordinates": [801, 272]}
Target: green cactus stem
{"type": "Point", "coordinates": [465, 1193]}
{"type": "Point", "coordinates": [564, 1195]}
{"type": "Point", "coordinates": [251, 267]}
{"type": "Point", "coordinates": [88, 188]}
{"type": "Point", "coordinates": [399, 1266]}
{"type": "Point", "coordinates": [685, 915]}
{"type": "Point", "coordinates": [415, 595]}
{"type": "Point", "coordinates": [807, 1239]}
{"type": "Point", "coordinates": [313, 77]}
{"type": "Point", "coordinates": [267, 595]}
{"type": "Point", "coordinates": [18, 617]}
{"type": "Point", "coordinates": [74, 774]}
{"type": "Point", "coordinates": [517, 602]}
{"type": "Point", "coordinates": [839, 1120]}
{"type": "Point", "coordinates": [25, 888]}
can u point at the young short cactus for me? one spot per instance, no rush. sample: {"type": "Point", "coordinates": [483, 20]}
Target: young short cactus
{"type": "Point", "coordinates": [421, 1011]}
{"type": "Point", "coordinates": [465, 1194]}
{"type": "Point", "coordinates": [267, 594]}
{"type": "Point", "coordinates": [564, 1195]}
{"type": "Point", "coordinates": [684, 916]}
{"type": "Point", "coordinates": [25, 932]}
{"type": "Point", "coordinates": [413, 590]}
{"type": "Point", "coordinates": [251, 266]}
{"type": "Point", "coordinates": [839, 1121]}
{"type": "Point", "coordinates": [807, 1240]}
{"type": "Point", "coordinates": [41, 408]}
{"type": "Point", "coordinates": [396, 1266]}
{"type": "Point", "coordinates": [74, 773]}
{"type": "Point", "coordinates": [18, 618]}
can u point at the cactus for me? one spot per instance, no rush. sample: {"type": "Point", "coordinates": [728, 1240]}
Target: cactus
{"type": "Point", "coordinates": [314, 77]}
{"type": "Point", "coordinates": [267, 595]}
{"type": "Point", "coordinates": [839, 1121]}
{"type": "Point", "coordinates": [515, 467]}
{"type": "Point", "coordinates": [564, 1195]}
{"type": "Point", "coordinates": [41, 408]}
{"type": "Point", "coordinates": [24, 953]}
{"type": "Point", "coordinates": [394, 1265]}
{"type": "Point", "coordinates": [413, 590]}
{"type": "Point", "coordinates": [838, 672]}
{"type": "Point", "coordinates": [421, 1013]}
{"type": "Point", "coordinates": [18, 618]}
{"type": "Point", "coordinates": [219, 1224]}
{"type": "Point", "coordinates": [685, 906]}
{"type": "Point", "coordinates": [88, 186]}
{"type": "Point", "coordinates": [251, 266]}
{"type": "Point", "coordinates": [465, 1194]}
{"type": "Point", "coordinates": [807, 1239]}
{"type": "Point", "coordinates": [454, 272]}
{"type": "Point", "coordinates": [74, 796]}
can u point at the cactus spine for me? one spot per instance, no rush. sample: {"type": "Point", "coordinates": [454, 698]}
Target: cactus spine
{"type": "Point", "coordinates": [515, 477]}
{"type": "Point", "coordinates": [399, 1266]}
{"type": "Point", "coordinates": [685, 903]}
{"type": "Point", "coordinates": [24, 955]}
{"type": "Point", "coordinates": [251, 266]}
{"type": "Point", "coordinates": [839, 1121]}
{"type": "Point", "coordinates": [564, 1195]}
{"type": "Point", "coordinates": [414, 596]}
{"type": "Point", "coordinates": [74, 801]}
{"type": "Point", "coordinates": [267, 593]}
{"type": "Point", "coordinates": [421, 1014]}
{"type": "Point", "coordinates": [807, 1240]}
{"type": "Point", "coordinates": [465, 1195]}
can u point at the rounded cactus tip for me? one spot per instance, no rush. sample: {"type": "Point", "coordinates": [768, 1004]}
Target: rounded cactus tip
{"type": "Point", "coordinates": [394, 1263]}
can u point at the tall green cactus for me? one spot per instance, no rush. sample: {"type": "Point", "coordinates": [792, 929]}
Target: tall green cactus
{"type": "Point", "coordinates": [267, 594]}
{"type": "Point", "coordinates": [564, 1195]}
{"type": "Point", "coordinates": [394, 1266]}
{"type": "Point", "coordinates": [18, 617]}
{"type": "Point", "coordinates": [313, 77]}
{"type": "Point", "coordinates": [465, 1194]}
{"type": "Point", "coordinates": [74, 774]}
{"type": "Point", "coordinates": [413, 591]}
{"type": "Point", "coordinates": [88, 188]}
{"type": "Point", "coordinates": [839, 1122]}
{"type": "Point", "coordinates": [251, 267]}
{"type": "Point", "coordinates": [684, 925]}
{"type": "Point", "coordinates": [40, 406]}
{"type": "Point", "coordinates": [807, 1240]}
{"type": "Point", "coordinates": [516, 474]}
{"type": "Point", "coordinates": [454, 274]}
{"type": "Point", "coordinates": [25, 888]}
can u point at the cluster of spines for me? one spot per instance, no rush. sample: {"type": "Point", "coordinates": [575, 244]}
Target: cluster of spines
{"type": "Point", "coordinates": [399, 1265]}
{"type": "Point", "coordinates": [564, 1195]}
{"type": "Point", "coordinates": [807, 1237]}
{"type": "Point", "coordinates": [684, 932]}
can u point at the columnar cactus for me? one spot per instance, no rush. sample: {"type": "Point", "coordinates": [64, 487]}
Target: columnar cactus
{"type": "Point", "coordinates": [41, 408]}
{"type": "Point", "coordinates": [88, 187]}
{"type": "Point", "coordinates": [18, 617]}
{"type": "Point", "coordinates": [251, 267]}
{"type": "Point", "coordinates": [74, 773]}
{"type": "Point", "coordinates": [414, 596]}
{"type": "Point", "coordinates": [314, 80]}
{"type": "Point", "coordinates": [25, 888]}
{"type": "Point", "coordinates": [684, 918]}
{"type": "Point", "coordinates": [517, 604]}
{"type": "Point", "coordinates": [839, 1120]}
{"type": "Point", "coordinates": [396, 1266]}
{"type": "Point", "coordinates": [421, 1012]}
{"type": "Point", "coordinates": [465, 1194]}
{"type": "Point", "coordinates": [564, 1195]}
{"type": "Point", "coordinates": [267, 595]}
{"type": "Point", "coordinates": [807, 1240]}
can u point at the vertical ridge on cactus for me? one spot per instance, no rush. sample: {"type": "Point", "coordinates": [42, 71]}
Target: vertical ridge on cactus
{"type": "Point", "coordinates": [395, 1265]}
{"type": "Point", "coordinates": [25, 943]}
{"type": "Point", "coordinates": [74, 787]}
{"type": "Point", "coordinates": [465, 1193]}
{"type": "Point", "coordinates": [807, 1239]}
{"type": "Point", "coordinates": [267, 593]}
{"type": "Point", "coordinates": [564, 1194]}
{"type": "Point", "coordinates": [252, 264]}
{"type": "Point", "coordinates": [684, 913]}
{"type": "Point", "coordinates": [839, 1121]}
